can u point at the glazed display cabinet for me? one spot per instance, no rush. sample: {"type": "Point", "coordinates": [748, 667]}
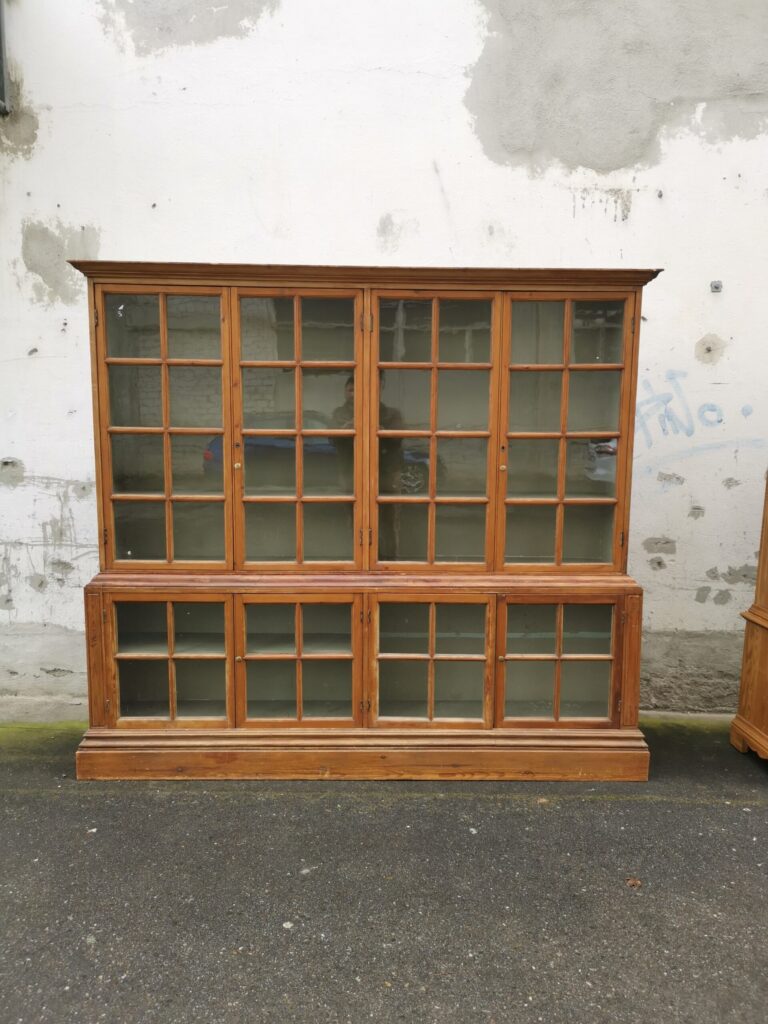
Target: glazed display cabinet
{"type": "Point", "coordinates": [363, 523]}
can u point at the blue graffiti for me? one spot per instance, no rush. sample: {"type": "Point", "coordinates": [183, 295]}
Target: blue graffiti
{"type": "Point", "coordinates": [671, 410]}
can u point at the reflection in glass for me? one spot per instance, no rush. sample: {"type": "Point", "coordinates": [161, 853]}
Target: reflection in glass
{"type": "Point", "coordinates": [462, 399]}
{"type": "Point", "coordinates": [459, 689]}
{"type": "Point", "coordinates": [531, 628]}
{"type": "Point", "coordinates": [403, 628]}
{"type": "Point", "coordinates": [327, 399]}
{"type": "Point", "coordinates": [530, 689]}
{"type": "Point", "coordinates": [143, 689]}
{"type": "Point", "coordinates": [403, 532]}
{"type": "Point", "coordinates": [137, 463]}
{"type": "Point", "coordinates": [590, 467]}
{"type": "Point", "coordinates": [532, 468]}
{"type": "Point", "coordinates": [597, 332]}
{"type": "Point", "coordinates": [403, 465]}
{"type": "Point", "coordinates": [534, 401]}
{"type": "Point", "coordinates": [271, 689]}
{"type": "Point", "coordinates": [405, 331]}
{"type": "Point", "coordinates": [198, 627]}
{"type": "Point", "coordinates": [201, 689]}
{"type": "Point", "coordinates": [195, 396]}
{"type": "Point", "coordinates": [460, 628]}
{"type": "Point", "coordinates": [328, 532]}
{"type": "Point", "coordinates": [270, 532]}
{"type": "Point", "coordinates": [142, 627]}
{"type": "Point", "coordinates": [594, 400]}
{"type": "Point", "coordinates": [327, 628]}
{"type": "Point", "coordinates": [537, 332]}
{"type": "Point", "coordinates": [465, 331]}
{"type": "Point", "coordinates": [588, 533]}
{"type": "Point", "coordinates": [194, 326]}
{"type": "Point", "coordinates": [460, 533]}
{"type": "Point", "coordinates": [133, 326]}
{"type": "Point", "coordinates": [266, 329]}
{"type": "Point", "coordinates": [198, 531]}
{"type": "Point", "coordinates": [327, 329]}
{"type": "Point", "coordinates": [196, 463]}
{"type": "Point", "coordinates": [139, 530]}
{"type": "Point", "coordinates": [530, 533]}
{"type": "Point", "coordinates": [269, 398]}
{"type": "Point", "coordinates": [585, 688]}
{"type": "Point", "coordinates": [462, 466]}
{"type": "Point", "coordinates": [326, 689]}
{"type": "Point", "coordinates": [403, 689]}
{"type": "Point", "coordinates": [329, 465]}
{"type": "Point", "coordinates": [135, 396]}
{"type": "Point", "coordinates": [587, 628]}
{"type": "Point", "coordinates": [404, 400]}
{"type": "Point", "coordinates": [271, 629]}
{"type": "Point", "coordinates": [270, 464]}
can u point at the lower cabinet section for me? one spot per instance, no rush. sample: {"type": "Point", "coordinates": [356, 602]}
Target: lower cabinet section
{"type": "Point", "coordinates": [445, 681]}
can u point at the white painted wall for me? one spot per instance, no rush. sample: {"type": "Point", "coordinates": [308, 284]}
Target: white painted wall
{"type": "Point", "coordinates": [337, 131]}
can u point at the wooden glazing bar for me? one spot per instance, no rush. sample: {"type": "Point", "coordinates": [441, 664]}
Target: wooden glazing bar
{"type": "Point", "coordinates": [559, 615]}
{"type": "Point", "coordinates": [171, 664]}
{"type": "Point", "coordinates": [299, 628]}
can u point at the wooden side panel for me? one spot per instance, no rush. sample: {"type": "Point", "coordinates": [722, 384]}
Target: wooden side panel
{"type": "Point", "coordinates": [98, 689]}
{"type": "Point", "coordinates": [761, 597]}
{"type": "Point", "coordinates": [630, 662]}
{"type": "Point", "coordinates": [750, 727]}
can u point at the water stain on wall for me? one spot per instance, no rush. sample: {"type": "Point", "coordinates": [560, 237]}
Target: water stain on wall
{"type": "Point", "coordinates": [670, 478]}
{"type": "Point", "coordinates": [45, 249]}
{"type": "Point", "coordinates": [11, 471]}
{"type": "Point", "coordinates": [696, 512]}
{"type": "Point", "coordinates": [710, 348]}
{"type": "Point", "coordinates": [563, 82]}
{"type": "Point", "coordinates": [18, 131]}
{"type": "Point", "coordinates": [153, 27]}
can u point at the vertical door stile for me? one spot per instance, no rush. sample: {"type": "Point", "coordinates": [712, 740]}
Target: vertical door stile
{"type": "Point", "coordinates": [234, 481]}
{"type": "Point", "coordinates": [363, 416]}
{"type": "Point", "coordinates": [499, 663]}
{"type": "Point", "coordinates": [501, 455]}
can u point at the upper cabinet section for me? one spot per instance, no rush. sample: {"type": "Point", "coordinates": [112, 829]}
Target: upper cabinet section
{"type": "Point", "coordinates": [331, 419]}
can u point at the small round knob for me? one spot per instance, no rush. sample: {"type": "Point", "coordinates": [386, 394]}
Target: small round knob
{"type": "Point", "coordinates": [501, 657]}
{"type": "Point", "coordinates": [238, 658]}
{"type": "Point", "coordinates": [238, 465]}
{"type": "Point", "coordinates": [502, 468]}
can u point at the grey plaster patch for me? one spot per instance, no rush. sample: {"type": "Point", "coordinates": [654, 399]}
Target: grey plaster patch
{"type": "Point", "coordinates": [660, 545]}
{"type": "Point", "coordinates": [657, 563]}
{"type": "Point", "coordinates": [740, 574]}
{"type": "Point", "coordinates": [60, 567]}
{"type": "Point", "coordinates": [730, 482]}
{"type": "Point", "coordinates": [388, 232]}
{"type": "Point", "coordinates": [37, 581]}
{"type": "Point", "coordinates": [713, 573]}
{"type": "Point", "coordinates": [710, 348]}
{"type": "Point", "coordinates": [696, 512]}
{"type": "Point", "coordinates": [595, 84]}
{"type": "Point", "coordinates": [18, 131]}
{"type": "Point", "coordinates": [11, 471]}
{"type": "Point", "coordinates": [687, 670]}
{"type": "Point", "coordinates": [670, 478]}
{"type": "Point", "coordinates": [702, 594]}
{"type": "Point", "coordinates": [153, 27]}
{"type": "Point", "coordinates": [45, 250]}
{"type": "Point", "coordinates": [723, 597]}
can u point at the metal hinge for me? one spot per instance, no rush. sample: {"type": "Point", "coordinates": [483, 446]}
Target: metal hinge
{"type": "Point", "coordinates": [95, 318]}
{"type": "Point", "coordinates": [361, 538]}
{"type": "Point", "coordinates": [618, 704]}
{"type": "Point", "coordinates": [103, 614]}
{"type": "Point", "coordinates": [365, 705]}
{"type": "Point", "coordinates": [370, 536]}
{"type": "Point", "coordinates": [621, 539]}
{"type": "Point", "coordinates": [623, 618]}
{"type": "Point", "coordinates": [104, 535]}
{"type": "Point", "coordinates": [633, 325]}
{"type": "Point", "coordinates": [369, 616]}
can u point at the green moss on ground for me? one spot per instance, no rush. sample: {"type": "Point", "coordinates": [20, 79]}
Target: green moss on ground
{"type": "Point", "coordinates": [19, 741]}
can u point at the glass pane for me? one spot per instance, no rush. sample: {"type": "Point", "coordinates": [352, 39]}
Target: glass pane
{"type": "Point", "coordinates": [328, 329]}
{"type": "Point", "coordinates": [142, 627]}
{"type": "Point", "coordinates": [462, 399]}
{"type": "Point", "coordinates": [329, 465]}
{"type": "Point", "coordinates": [135, 396]}
{"type": "Point", "coordinates": [460, 533]}
{"type": "Point", "coordinates": [271, 628]}
{"type": "Point", "coordinates": [271, 689]}
{"type": "Point", "coordinates": [462, 466]}
{"type": "Point", "coordinates": [133, 326]}
{"type": "Point", "coordinates": [270, 532]}
{"type": "Point", "coordinates": [405, 331]}
{"type": "Point", "coordinates": [460, 628]}
{"type": "Point", "coordinates": [403, 465]}
{"type": "Point", "coordinates": [327, 399]}
{"type": "Point", "coordinates": [198, 531]}
{"type": "Point", "coordinates": [594, 400]}
{"type": "Point", "coordinates": [531, 628]}
{"type": "Point", "coordinates": [269, 398]}
{"type": "Point", "coordinates": [403, 628]}
{"type": "Point", "coordinates": [534, 401]}
{"type": "Point", "coordinates": [327, 628]}
{"type": "Point", "coordinates": [537, 332]}
{"type": "Point", "coordinates": [403, 532]}
{"type": "Point", "coordinates": [139, 530]}
{"type": "Point", "coordinates": [404, 400]}
{"type": "Point", "coordinates": [270, 464]}
{"type": "Point", "coordinates": [597, 332]}
{"type": "Point", "coordinates": [530, 533]}
{"type": "Point", "coordinates": [201, 689]}
{"type": "Point", "coordinates": [194, 326]}
{"type": "Point", "coordinates": [196, 464]}
{"type": "Point", "coordinates": [459, 689]}
{"type": "Point", "coordinates": [532, 468]}
{"type": "Point", "coordinates": [137, 464]}
{"type": "Point", "coordinates": [403, 689]}
{"type": "Point", "coordinates": [465, 331]}
{"type": "Point", "coordinates": [195, 396]}
{"type": "Point", "coordinates": [587, 628]}
{"type": "Point", "coordinates": [530, 689]}
{"type": "Point", "coordinates": [266, 329]}
{"type": "Point", "coordinates": [585, 688]}
{"type": "Point", "coordinates": [342, 416]}
{"type": "Point", "coordinates": [590, 467]}
{"type": "Point", "coordinates": [588, 533]}
{"type": "Point", "coordinates": [144, 691]}
{"type": "Point", "coordinates": [326, 689]}
{"type": "Point", "coordinates": [198, 627]}
{"type": "Point", "coordinates": [328, 532]}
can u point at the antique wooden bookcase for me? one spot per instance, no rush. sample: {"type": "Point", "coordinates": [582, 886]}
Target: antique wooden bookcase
{"type": "Point", "coordinates": [363, 523]}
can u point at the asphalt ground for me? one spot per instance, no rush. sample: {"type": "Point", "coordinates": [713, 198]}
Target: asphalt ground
{"type": "Point", "coordinates": [392, 901]}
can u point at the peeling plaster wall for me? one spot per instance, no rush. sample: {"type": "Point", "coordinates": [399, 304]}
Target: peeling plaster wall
{"type": "Point", "coordinates": [471, 133]}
